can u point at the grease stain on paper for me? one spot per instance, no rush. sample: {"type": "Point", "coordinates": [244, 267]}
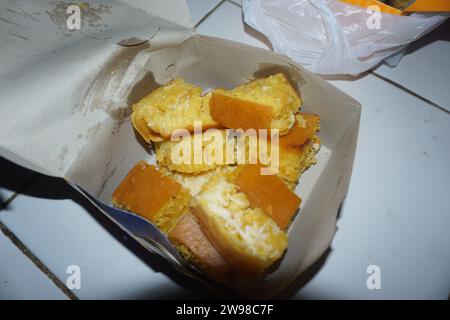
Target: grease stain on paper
{"type": "Point", "coordinates": [142, 88]}
{"type": "Point", "coordinates": [31, 16]}
{"type": "Point", "coordinates": [10, 22]}
{"type": "Point", "coordinates": [18, 36]}
{"type": "Point", "coordinates": [108, 80]}
{"type": "Point", "coordinates": [120, 116]}
{"type": "Point", "coordinates": [62, 156]}
{"type": "Point", "coordinates": [93, 129]}
{"type": "Point", "coordinates": [91, 16]}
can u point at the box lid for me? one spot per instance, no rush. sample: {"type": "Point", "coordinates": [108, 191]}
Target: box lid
{"type": "Point", "coordinates": [48, 61]}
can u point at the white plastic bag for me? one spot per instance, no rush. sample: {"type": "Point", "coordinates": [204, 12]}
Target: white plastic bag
{"type": "Point", "coordinates": [331, 37]}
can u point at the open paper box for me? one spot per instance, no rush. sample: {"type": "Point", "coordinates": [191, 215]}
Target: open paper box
{"type": "Point", "coordinates": [65, 112]}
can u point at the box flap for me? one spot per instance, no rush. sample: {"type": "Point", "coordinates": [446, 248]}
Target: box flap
{"type": "Point", "coordinates": [46, 68]}
{"type": "Point", "coordinates": [174, 11]}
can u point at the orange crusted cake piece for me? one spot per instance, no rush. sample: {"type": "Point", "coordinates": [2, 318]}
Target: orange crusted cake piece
{"type": "Point", "coordinates": [146, 192]}
{"type": "Point", "coordinates": [192, 243]}
{"type": "Point", "coordinates": [212, 191]}
{"type": "Point", "coordinates": [266, 103]}
{"type": "Point", "coordinates": [172, 107]}
{"type": "Point", "coordinates": [245, 236]}
{"type": "Point", "coordinates": [232, 112]}
{"type": "Point", "coordinates": [298, 149]}
{"type": "Point", "coordinates": [269, 193]}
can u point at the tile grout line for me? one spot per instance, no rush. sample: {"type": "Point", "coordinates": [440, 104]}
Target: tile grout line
{"type": "Point", "coordinates": [209, 13]}
{"type": "Point", "coordinates": [410, 92]}
{"type": "Point", "coordinates": [232, 2]}
{"type": "Point", "coordinates": [36, 261]}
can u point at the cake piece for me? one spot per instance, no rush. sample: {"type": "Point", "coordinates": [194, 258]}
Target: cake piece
{"type": "Point", "coordinates": [190, 181]}
{"type": "Point", "coordinates": [183, 156]}
{"type": "Point", "coordinates": [269, 193]}
{"type": "Point", "coordinates": [170, 108]}
{"type": "Point", "coordinates": [192, 243]}
{"type": "Point", "coordinates": [298, 149]}
{"type": "Point", "coordinates": [146, 192]}
{"type": "Point", "coordinates": [194, 182]}
{"type": "Point", "coordinates": [236, 113]}
{"type": "Point", "coordinates": [260, 104]}
{"type": "Point", "coordinates": [246, 237]}
{"type": "Point", "coordinates": [296, 152]}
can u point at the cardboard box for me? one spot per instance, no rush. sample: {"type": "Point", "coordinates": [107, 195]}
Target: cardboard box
{"type": "Point", "coordinates": [65, 112]}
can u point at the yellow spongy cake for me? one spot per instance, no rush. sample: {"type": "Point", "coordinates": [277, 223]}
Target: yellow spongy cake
{"type": "Point", "coordinates": [146, 192]}
{"type": "Point", "coordinates": [267, 192]}
{"type": "Point", "coordinates": [169, 108]}
{"type": "Point", "coordinates": [219, 194]}
{"type": "Point", "coordinates": [193, 182]}
{"type": "Point", "coordinates": [192, 243]}
{"type": "Point", "coordinates": [296, 152]}
{"type": "Point", "coordinates": [246, 237]}
{"type": "Point", "coordinates": [294, 158]}
{"type": "Point", "coordinates": [299, 148]}
{"type": "Point", "coordinates": [182, 155]}
{"type": "Point", "coordinates": [293, 164]}
{"type": "Point", "coordinates": [274, 92]}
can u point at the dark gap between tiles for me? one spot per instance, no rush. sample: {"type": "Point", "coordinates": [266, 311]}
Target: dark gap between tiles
{"type": "Point", "coordinates": [209, 13]}
{"type": "Point", "coordinates": [247, 29]}
{"type": "Point", "coordinates": [36, 261]}
{"type": "Point", "coordinates": [236, 4]}
{"type": "Point", "coordinates": [440, 33]}
{"type": "Point", "coordinates": [408, 91]}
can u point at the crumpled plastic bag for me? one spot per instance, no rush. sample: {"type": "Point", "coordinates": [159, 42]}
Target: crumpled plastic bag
{"type": "Point", "coordinates": [331, 37]}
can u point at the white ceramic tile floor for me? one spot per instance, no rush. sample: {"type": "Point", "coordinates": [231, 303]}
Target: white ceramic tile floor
{"type": "Point", "coordinates": [425, 69]}
{"type": "Point", "coordinates": [20, 278]}
{"type": "Point", "coordinates": [199, 8]}
{"type": "Point", "coordinates": [238, 2]}
{"type": "Point", "coordinates": [56, 224]}
{"type": "Point", "coordinates": [397, 207]}
{"type": "Point", "coordinates": [226, 22]}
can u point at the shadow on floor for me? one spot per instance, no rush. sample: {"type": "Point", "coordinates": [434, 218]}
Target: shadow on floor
{"type": "Point", "coordinates": [441, 33]}
{"type": "Point", "coordinates": [303, 279]}
{"type": "Point", "coordinates": [13, 178]}
{"type": "Point", "coordinates": [306, 276]}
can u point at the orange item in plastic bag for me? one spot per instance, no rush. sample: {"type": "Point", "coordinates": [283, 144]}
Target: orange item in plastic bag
{"type": "Point", "coordinates": [429, 6]}
{"type": "Point", "coordinates": [367, 3]}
